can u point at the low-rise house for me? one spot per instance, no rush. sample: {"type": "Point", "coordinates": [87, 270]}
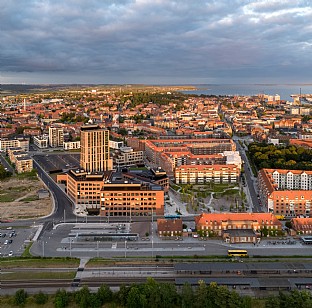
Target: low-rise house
{"type": "Point", "coordinates": [169, 227]}
{"type": "Point", "coordinates": [302, 225]}
{"type": "Point", "coordinates": [217, 223]}
{"type": "Point", "coordinates": [241, 236]}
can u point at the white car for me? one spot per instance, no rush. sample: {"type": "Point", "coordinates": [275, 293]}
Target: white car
{"type": "Point", "coordinates": [11, 253]}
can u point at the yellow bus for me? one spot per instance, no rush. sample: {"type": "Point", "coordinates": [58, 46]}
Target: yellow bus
{"type": "Point", "coordinates": [280, 217]}
{"type": "Point", "coordinates": [237, 253]}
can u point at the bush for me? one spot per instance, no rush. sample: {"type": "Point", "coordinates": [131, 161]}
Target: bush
{"type": "Point", "coordinates": [20, 297]}
{"type": "Point", "coordinates": [61, 299]}
{"type": "Point", "coordinates": [41, 298]}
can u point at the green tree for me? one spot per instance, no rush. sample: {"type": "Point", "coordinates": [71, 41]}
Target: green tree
{"type": "Point", "coordinates": [20, 297]}
{"type": "Point", "coordinates": [187, 296]}
{"type": "Point", "coordinates": [82, 297]}
{"type": "Point", "coordinates": [61, 299]}
{"type": "Point", "coordinates": [135, 299]}
{"type": "Point", "coordinates": [41, 298]}
{"type": "Point", "coordinates": [104, 294]}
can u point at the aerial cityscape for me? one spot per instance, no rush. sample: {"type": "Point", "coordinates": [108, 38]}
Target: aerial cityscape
{"type": "Point", "coordinates": [155, 153]}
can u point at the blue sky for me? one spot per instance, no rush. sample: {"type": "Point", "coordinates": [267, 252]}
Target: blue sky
{"type": "Point", "coordinates": [156, 41]}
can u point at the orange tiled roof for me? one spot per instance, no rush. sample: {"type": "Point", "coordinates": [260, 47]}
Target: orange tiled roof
{"type": "Point", "coordinates": [204, 217]}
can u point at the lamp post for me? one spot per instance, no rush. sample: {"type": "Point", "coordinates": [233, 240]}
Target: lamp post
{"type": "Point", "coordinates": [97, 248]}
{"type": "Point", "coordinates": [152, 233]}
{"type": "Point", "coordinates": [125, 248]}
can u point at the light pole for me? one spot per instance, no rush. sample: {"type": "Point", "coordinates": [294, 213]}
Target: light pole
{"type": "Point", "coordinates": [152, 233]}
{"type": "Point", "coordinates": [70, 252]}
{"type": "Point", "coordinates": [64, 216]}
{"type": "Point", "coordinates": [97, 248]}
{"type": "Point", "coordinates": [130, 214]}
{"type": "Point", "coordinates": [43, 248]}
{"type": "Point", "coordinates": [125, 248]}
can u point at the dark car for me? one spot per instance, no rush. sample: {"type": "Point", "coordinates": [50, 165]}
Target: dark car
{"type": "Point", "coordinates": [10, 241]}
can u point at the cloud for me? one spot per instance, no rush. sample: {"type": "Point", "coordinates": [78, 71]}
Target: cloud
{"type": "Point", "coordinates": [134, 41]}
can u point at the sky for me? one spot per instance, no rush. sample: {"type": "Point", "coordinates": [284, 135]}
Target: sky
{"type": "Point", "coordinates": [155, 41]}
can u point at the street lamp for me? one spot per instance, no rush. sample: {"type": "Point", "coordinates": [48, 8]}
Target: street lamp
{"type": "Point", "coordinates": [97, 248]}
{"type": "Point", "coordinates": [70, 244]}
{"type": "Point", "coordinates": [152, 233]}
{"type": "Point", "coordinates": [125, 248]}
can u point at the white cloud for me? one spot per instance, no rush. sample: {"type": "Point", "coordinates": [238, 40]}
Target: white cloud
{"type": "Point", "coordinates": [154, 39]}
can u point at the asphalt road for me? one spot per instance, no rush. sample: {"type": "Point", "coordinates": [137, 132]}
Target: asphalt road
{"type": "Point", "coordinates": [6, 164]}
{"type": "Point", "coordinates": [249, 179]}
{"type": "Point", "coordinates": [63, 242]}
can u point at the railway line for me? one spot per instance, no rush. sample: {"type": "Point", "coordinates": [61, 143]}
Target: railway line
{"type": "Point", "coordinates": [286, 275]}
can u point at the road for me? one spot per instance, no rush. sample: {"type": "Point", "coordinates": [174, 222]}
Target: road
{"type": "Point", "coordinates": [250, 181]}
{"type": "Point", "coordinates": [6, 164]}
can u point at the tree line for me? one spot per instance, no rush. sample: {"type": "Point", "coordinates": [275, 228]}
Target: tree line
{"type": "Point", "coordinates": [280, 157]}
{"type": "Point", "coordinates": [158, 295]}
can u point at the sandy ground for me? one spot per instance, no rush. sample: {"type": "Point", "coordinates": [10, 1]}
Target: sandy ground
{"type": "Point", "coordinates": [19, 208]}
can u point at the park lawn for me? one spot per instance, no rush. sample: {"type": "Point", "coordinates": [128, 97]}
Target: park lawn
{"type": "Point", "coordinates": [38, 275]}
{"type": "Point", "coordinates": [39, 263]}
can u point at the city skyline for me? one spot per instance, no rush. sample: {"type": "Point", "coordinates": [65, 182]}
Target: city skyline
{"type": "Point", "coordinates": [155, 42]}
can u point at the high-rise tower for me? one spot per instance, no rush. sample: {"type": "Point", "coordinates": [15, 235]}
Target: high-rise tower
{"type": "Point", "coordinates": [56, 136]}
{"type": "Point", "coordinates": [95, 149]}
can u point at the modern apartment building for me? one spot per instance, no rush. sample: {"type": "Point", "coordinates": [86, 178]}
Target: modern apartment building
{"type": "Point", "coordinates": [22, 161]}
{"type": "Point", "coordinates": [286, 192]}
{"type": "Point", "coordinates": [6, 143]}
{"type": "Point", "coordinates": [172, 153]}
{"type": "Point", "coordinates": [112, 194]}
{"type": "Point", "coordinates": [41, 141]}
{"type": "Point", "coordinates": [94, 144]}
{"type": "Point", "coordinates": [56, 137]}
{"type": "Point", "coordinates": [84, 188]}
{"type": "Point", "coordinates": [203, 146]}
{"type": "Point", "coordinates": [71, 145]}
{"type": "Point", "coordinates": [125, 156]}
{"type": "Point", "coordinates": [124, 198]}
{"type": "Point", "coordinates": [201, 174]}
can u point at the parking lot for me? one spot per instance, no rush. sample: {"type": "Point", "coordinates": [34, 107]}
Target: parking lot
{"type": "Point", "coordinates": [14, 241]}
{"type": "Point", "coordinates": [52, 162]}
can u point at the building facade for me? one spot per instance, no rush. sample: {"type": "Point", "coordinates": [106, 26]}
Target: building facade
{"type": "Point", "coordinates": [94, 145]}
{"type": "Point", "coordinates": [201, 174]}
{"type": "Point", "coordinates": [286, 192]}
{"type": "Point", "coordinates": [71, 145]}
{"type": "Point", "coordinates": [42, 142]}
{"type": "Point", "coordinates": [56, 136]}
{"type": "Point", "coordinates": [127, 157]}
{"type": "Point", "coordinates": [218, 223]}
{"type": "Point", "coordinates": [121, 198]}
{"type": "Point", "coordinates": [6, 143]}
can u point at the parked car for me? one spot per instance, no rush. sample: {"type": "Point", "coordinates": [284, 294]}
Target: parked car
{"type": "Point", "coordinates": [11, 253]}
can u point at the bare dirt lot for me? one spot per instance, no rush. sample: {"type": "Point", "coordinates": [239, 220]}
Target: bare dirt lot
{"type": "Point", "coordinates": [19, 199]}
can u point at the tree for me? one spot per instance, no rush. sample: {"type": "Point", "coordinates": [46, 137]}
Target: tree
{"type": "Point", "coordinates": [20, 297]}
{"type": "Point", "coordinates": [104, 294]}
{"type": "Point", "coordinates": [41, 298]}
{"type": "Point", "coordinates": [61, 299]}
{"type": "Point", "coordinates": [82, 297]}
{"type": "Point", "coordinates": [187, 296]}
{"type": "Point", "coordinates": [288, 224]}
{"type": "Point", "coordinates": [135, 299]}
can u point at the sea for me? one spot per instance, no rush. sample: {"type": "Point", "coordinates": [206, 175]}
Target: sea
{"type": "Point", "coordinates": [284, 90]}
